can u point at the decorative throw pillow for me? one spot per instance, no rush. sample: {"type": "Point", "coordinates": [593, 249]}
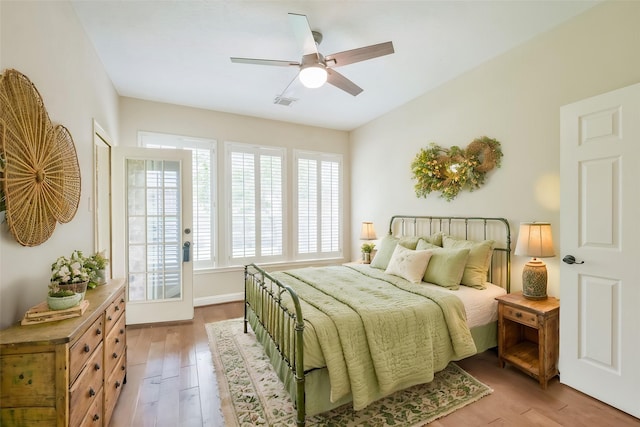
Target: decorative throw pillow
{"type": "Point", "coordinates": [475, 272]}
{"type": "Point", "coordinates": [446, 266]}
{"type": "Point", "coordinates": [409, 242]}
{"type": "Point", "coordinates": [408, 264]}
{"type": "Point", "coordinates": [385, 250]}
{"type": "Point", "coordinates": [434, 239]}
{"type": "Point", "coordinates": [386, 247]}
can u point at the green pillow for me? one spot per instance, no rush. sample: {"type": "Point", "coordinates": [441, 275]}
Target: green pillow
{"type": "Point", "coordinates": [446, 266]}
{"type": "Point", "coordinates": [387, 245]}
{"type": "Point", "coordinates": [434, 239]}
{"type": "Point", "coordinates": [385, 250]}
{"type": "Point", "coordinates": [475, 272]}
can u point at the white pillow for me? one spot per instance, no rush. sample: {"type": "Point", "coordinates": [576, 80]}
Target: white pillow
{"type": "Point", "coordinates": [408, 264]}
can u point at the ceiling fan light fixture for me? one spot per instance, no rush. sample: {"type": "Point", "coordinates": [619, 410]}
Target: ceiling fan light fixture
{"type": "Point", "coordinates": [313, 76]}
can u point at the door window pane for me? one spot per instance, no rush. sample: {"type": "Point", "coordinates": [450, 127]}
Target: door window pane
{"type": "Point", "coordinates": [154, 252]}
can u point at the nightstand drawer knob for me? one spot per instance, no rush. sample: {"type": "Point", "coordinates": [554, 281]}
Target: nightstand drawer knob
{"type": "Point", "coordinates": [518, 314]}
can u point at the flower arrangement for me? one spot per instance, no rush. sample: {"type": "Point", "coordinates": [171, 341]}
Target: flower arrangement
{"type": "Point", "coordinates": [76, 269]}
{"type": "Point", "coordinates": [367, 248]}
{"type": "Point", "coordinates": [96, 264]}
{"type": "Point", "coordinates": [68, 271]}
{"type": "Point", "coordinates": [450, 170]}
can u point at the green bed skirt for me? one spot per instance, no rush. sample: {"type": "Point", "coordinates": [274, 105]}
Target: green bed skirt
{"type": "Point", "coordinates": [317, 386]}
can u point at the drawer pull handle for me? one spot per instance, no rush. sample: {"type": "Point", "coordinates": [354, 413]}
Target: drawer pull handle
{"type": "Point", "coordinates": [21, 376]}
{"type": "Point", "coordinates": [118, 384]}
{"type": "Point", "coordinates": [96, 366]}
{"type": "Point", "coordinates": [122, 368]}
{"type": "Point", "coordinates": [92, 392]}
{"type": "Point", "coordinates": [96, 417]}
{"type": "Point", "coordinates": [87, 349]}
{"type": "Point", "coordinates": [121, 331]}
{"type": "Point", "coordinates": [109, 318]}
{"type": "Point", "coordinates": [117, 308]}
{"type": "Point", "coordinates": [122, 299]}
{"type": "Point", "coordinates": [518, 315]}
{"type": "Point", "coordinates": [117, 340]}
{"type": "Point", "coordinates": [115, 355]}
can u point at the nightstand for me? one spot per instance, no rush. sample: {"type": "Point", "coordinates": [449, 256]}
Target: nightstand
{"type": "Point", "coordinates": [528, 335]}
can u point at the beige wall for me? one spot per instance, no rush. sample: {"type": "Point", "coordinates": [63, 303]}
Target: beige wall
{"type": "Point", "coordinates": [45, 41]}
{"type": "Point", "coordinates": [136, 115]}
{"type": "Point", "coordinates": [514, 98]}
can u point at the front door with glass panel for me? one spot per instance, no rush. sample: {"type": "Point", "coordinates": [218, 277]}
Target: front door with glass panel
{"type": "Point", "coordinates": [152, 233]}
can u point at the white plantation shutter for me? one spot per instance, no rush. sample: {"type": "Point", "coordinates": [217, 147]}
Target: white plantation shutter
{"type": "Point", "coordinates": [243, 205]}
{"type": "Point", "coordinates": [203, 153]}
{"type": "Point", "coordinates": [257, 202]}
{"type": "Point", "coordinates": [319, 204]}
{"type": "Point", "coordinates": [307, 206]}
{"type": "Point", "coordinates": [330, 209]}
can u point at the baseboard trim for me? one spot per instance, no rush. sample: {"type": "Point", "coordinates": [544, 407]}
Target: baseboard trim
{"type": "Point", "coordinates": [218, 299]}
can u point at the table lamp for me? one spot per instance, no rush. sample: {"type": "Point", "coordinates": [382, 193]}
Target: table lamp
{"type": "Point", "coordinates": [534, 240]}
{"type": "Point", "coordinates": [367, 232]}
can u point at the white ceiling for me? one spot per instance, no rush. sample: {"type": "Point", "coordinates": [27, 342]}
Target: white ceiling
{"type": "Point", "coordinates": [178, 51]}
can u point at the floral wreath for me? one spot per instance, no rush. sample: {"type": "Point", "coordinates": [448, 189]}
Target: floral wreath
{"type": "Point", "coordinates": [449, 170]}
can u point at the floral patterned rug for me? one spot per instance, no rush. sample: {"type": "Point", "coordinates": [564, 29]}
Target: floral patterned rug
{"type": "Point", "coordinates": [252, 394]}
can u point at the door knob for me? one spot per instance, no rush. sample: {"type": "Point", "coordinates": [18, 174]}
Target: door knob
{"type": "Point", "coordinates": [186, 252]}
{"type": "Point", "coordinates": [570, 259]}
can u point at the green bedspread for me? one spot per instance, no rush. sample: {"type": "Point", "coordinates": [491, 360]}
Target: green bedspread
{"type": "Point", "coordinates": [392, 333]}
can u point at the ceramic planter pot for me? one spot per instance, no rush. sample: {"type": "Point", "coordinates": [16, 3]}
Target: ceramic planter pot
{"type": "Point", "coordinates": [62, 303]}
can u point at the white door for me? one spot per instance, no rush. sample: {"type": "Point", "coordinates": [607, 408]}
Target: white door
{"type": "Point", "coordinates": [152, 214]}
{"type": "Point", "coordinates": [600, 226]}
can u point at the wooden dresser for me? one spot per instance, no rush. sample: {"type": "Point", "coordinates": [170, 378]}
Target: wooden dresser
{"type": "Point", "coordinates": [69, 372]}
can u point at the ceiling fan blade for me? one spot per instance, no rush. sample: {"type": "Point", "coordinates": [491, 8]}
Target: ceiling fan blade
{"type": "Point", "coordinates": [303, 33]}
{"type": "Point", "coordinates": [361, 54]}
{"type": "Point", "coordinates": [341, 82]}
{"type": "Point", "coordinates": [255, 61]}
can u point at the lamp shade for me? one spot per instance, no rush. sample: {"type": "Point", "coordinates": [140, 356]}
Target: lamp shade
{"type": "Point", "coordinates": [367, 232]}
{"type": "Point", "coordinates": [535, 240]}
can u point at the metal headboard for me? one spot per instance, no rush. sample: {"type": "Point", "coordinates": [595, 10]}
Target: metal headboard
{"type": "Point", "coordinates": [468, 228]}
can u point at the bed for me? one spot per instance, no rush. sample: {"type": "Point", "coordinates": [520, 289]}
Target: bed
{"type": "Point", "coordinates": [358, 332]}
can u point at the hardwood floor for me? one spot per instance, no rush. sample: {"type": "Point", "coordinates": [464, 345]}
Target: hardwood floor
{"type": "Point", "coordinates": [170, 382]}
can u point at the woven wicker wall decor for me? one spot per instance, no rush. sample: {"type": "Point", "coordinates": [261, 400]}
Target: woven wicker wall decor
{"type": "Point", "coordinates": [41, 177]}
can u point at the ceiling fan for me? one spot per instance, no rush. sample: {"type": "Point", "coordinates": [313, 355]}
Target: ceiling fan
{"type": "Point", "coordinates": [316, 69]}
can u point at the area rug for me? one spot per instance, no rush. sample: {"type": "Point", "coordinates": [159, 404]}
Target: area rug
{"type": "Point", "coordinates": [252, 394]}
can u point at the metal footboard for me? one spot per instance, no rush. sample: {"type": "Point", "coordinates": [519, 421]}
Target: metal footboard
{"type": "Point", "coordinates": [266, 296]}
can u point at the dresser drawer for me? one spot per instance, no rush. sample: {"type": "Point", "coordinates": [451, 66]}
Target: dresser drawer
{"type": "Point", "coordinates": [85, 390]}
{"type": "Point", "coordinates": [521, 316]}
{"type": "Point", "coordinates": [114, 311]}
{"type": "Point", "coordinates": [113, 387]}
{"type": "Point", "coordinates": [82, 350]}
{"type": "Point", "coordinates": [94, 418]}
{"type": "Point", "coordinates": [115, 345]}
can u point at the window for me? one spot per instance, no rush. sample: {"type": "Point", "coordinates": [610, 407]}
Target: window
{"type": "Point", "coordinates": [319, 204]}
{"type": "Point", "coordinates": [203, 154]}
{"type": "Point", "coordinates": [256, 195]}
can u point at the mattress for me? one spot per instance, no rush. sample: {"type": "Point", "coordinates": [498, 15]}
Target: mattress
{"type": "Point", "coordinates": [480, 308]}
{"type": "Point", "coordinates": [480, 304]}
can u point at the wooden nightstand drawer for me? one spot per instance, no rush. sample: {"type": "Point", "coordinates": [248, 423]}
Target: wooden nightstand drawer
{"type": "Point", "coordinates": [521, 316]}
